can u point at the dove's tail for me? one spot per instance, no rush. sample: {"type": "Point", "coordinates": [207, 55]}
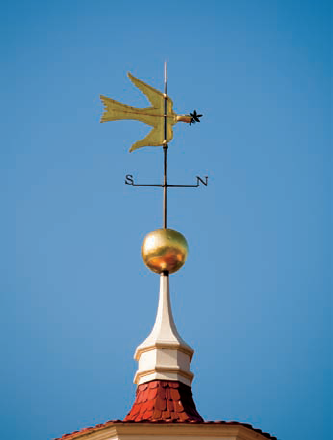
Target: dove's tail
{"type": "Point", "coordinates": [115, 111]}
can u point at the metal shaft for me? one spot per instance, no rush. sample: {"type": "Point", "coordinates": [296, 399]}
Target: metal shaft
{"type": "Point", "coordinates": [165, 188]}
{"type": "Point", "coordinates": [165, 150]}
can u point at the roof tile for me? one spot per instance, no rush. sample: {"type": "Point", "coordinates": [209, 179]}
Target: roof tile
{"type": "Point", "coordinates": [175, 394]}
{"type": "Point", "coordinates": [170, 405]}
{"type": "Point", "coordinates": [157, 415]}
{"type": "Point", "coordinates": [179, 407]}
{"type": "Point", "coordinates": [152, 393]}
{"type": "Point", "coordinates": [166, 415]}
{"type": "Point", "coordinates": [160, 403]}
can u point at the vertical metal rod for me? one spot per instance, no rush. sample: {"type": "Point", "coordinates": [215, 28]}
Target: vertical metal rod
{"type": "Point", "coordinates": [165, 198]}
{"type": "Point", "coordinates": [165, 149]}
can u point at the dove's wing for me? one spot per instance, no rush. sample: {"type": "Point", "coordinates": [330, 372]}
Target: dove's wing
{"type": "Point", "coordinates": [155, 97]}
{"type": "Point", "coordinates": [153, 138]}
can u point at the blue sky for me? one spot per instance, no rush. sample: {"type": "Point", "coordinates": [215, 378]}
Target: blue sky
{"type": "Point", "coordinates": [253, 297]}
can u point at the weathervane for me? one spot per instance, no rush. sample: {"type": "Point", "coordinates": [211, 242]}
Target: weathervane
{"type": "Point", "coordinates": [164, 251]}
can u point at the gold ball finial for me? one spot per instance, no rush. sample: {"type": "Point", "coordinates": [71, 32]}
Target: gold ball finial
{"type": "Point", "coordinates": [164, 250]}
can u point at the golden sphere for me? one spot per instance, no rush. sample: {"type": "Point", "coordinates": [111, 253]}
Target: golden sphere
{"type": "Point", "coordinates": [164, 250]}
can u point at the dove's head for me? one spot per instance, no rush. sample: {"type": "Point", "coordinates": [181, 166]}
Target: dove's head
{"type": "Point", "coordinates": [192, 118]}
{"type": "Point", "coordinates": [184, 118]}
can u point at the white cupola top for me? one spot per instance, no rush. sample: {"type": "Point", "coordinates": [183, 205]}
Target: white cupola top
{"type": "Point", "coordinates": [164, 354]}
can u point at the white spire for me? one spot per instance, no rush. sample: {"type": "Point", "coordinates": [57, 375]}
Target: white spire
{"type": "Point", "coordinates": [164, 354]}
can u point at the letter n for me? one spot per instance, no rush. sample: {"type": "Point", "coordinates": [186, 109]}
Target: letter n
{"type": "Point", "coordinates": [202, 181]}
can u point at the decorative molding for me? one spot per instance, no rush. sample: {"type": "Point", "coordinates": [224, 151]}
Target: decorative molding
{"type": "Point", "coordinates": [160, 344]}
{"type": "Point", "coordinates": [160, 369]}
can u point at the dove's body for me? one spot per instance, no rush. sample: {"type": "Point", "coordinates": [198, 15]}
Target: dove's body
{"type": "Point", "coordinates": [153, 116]}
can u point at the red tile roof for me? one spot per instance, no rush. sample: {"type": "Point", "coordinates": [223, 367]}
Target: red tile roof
{"type": "Point", "coordinates": [166, 402]}
{"type": "Point", "coordinates": [170, 401]}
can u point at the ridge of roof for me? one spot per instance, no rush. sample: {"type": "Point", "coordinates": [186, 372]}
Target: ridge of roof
{"type": "Point", "coordinates": [100, 426]}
